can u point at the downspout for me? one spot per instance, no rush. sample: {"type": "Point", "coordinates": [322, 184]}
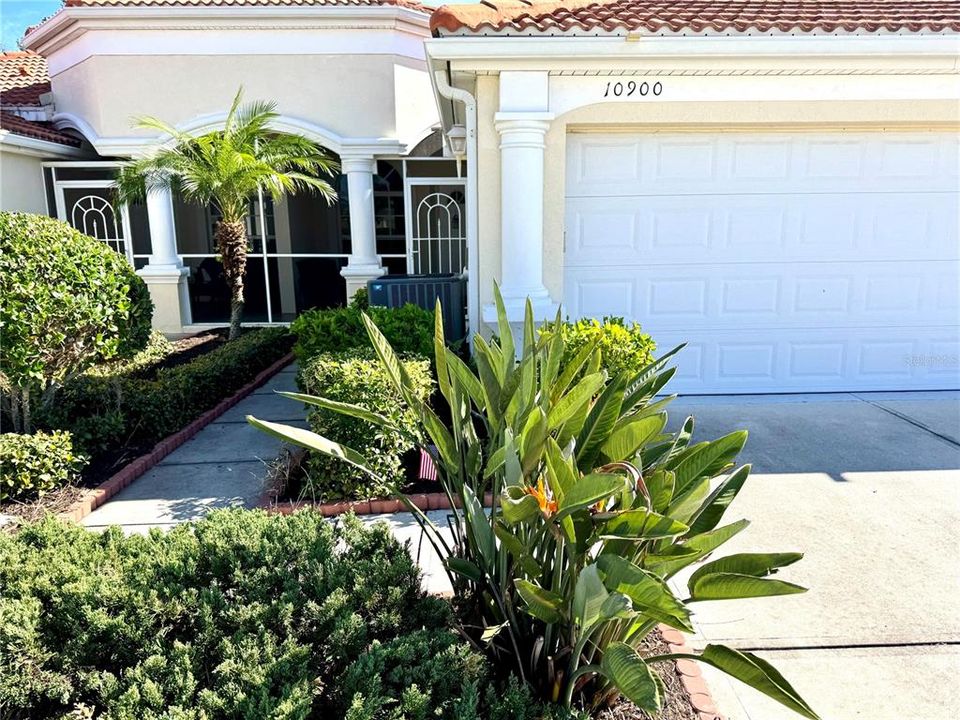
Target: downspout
{"type": "Point", "coordinates": [473, 251]}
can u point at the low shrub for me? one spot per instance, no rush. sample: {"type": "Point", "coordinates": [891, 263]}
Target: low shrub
{"type": "Point", "coordinates": [624, 347]}
{"type": "Point", "coordinates": [69, 301]}
{"type": "Point", "coordinates": [409, 329]}
{"type": "Point", "coordinates": [32, 465]}
{"type": "Point", "coordinates": [356, 377]}
{"type": "Point", "coordinates": [240, 615]}
{"type": "Point", "coordinates": [124, 406]}
{"type": "Point", "coordinates": [157, 349]}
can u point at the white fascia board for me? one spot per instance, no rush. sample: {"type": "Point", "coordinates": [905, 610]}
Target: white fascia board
{"type": "Point", "coordinates": [69, 22]}
{"type": "Point", "coordinates": [23, 145]}
{"type": "Point", "coordinates": [874, 53]}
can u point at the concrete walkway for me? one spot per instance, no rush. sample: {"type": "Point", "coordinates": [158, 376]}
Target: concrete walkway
{"type": "Point", "coordinates": [224, 465]}
{"type": "Point", "coordinates": [868, 487]}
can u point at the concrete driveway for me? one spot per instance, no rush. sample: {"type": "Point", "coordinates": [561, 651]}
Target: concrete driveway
{"type": "Point", "coordinates": [868, 487]}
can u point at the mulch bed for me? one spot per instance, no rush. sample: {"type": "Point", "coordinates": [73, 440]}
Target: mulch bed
{"type": "Point", "coordinates": [55, 501]}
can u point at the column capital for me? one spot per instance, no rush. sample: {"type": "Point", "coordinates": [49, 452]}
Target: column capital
{"type": "Point", "coordinates": [358, 163]}
{"type": "Point", "coordinates": [525, 129]}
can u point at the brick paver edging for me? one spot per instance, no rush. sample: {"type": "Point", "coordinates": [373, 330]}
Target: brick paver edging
{"type": "Point", "coordinates": [91, 499]}
{"type": "Point", "coordinates": [374, 506]}
{"type": "Point", "coordinates": [691, 676]}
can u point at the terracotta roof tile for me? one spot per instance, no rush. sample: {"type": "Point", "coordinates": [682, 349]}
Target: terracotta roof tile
{"type": "Point", "coordinates": [591, 17]}
{"type": "Point", "coordinates": [37, 130]}
{"type": "Point", "coordinates": [412, 4]}
{"type": "Point", "coordinates": [23, 78]}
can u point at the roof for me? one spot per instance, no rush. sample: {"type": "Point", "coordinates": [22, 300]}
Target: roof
{"type": "Point", "coordinates": [36, 130]}
{"type": "Point", "coordinates": [695, 17]}
{"type": "Point", "coordinates": [411, 4]}
{"type": "Point", "coordinates": [23, 78]}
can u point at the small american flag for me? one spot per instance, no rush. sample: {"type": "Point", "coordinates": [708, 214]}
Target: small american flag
{"type": "Point", "coordinates": [428, 469]}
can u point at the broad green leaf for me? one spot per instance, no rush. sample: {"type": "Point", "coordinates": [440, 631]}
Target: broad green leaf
{"type": "Point", "coordinates": [703, 544]}
{"type": "Point", "coordinates": [624, 667]}
{"type": "Point", "coordinates": [488, 380]}
{"type": "Point", "coordinates": [758, 674]}
{"type": "Point", "coordinates": [624, 441]}
{"type": "Point", "coordinates": [464, 568]}
{"type": "Point", "coordinates": [650, 595]}
{"type": "Point", "coordinates": [495, 462]}
{"type": "Point", "coordinates": [686, 505]}
{"type": "Point", "coordinates": [589, 490]}
{"type": "Point", "coordinates": [532, 441]}
{"type": "Point", "coordinates": [617, 605]}
{"type": "Point", "coordinates": [716, 504]}
{"type": "Point", "coordinates": [588, 596]}
{"type": "Point", "coordinates": [731, 586]}
{"type": "Point", "coordinates": [641, 524]}
{"type": "Point", "coordinates": [441, 437]}
{"type": "Point", "coordinates": [660, 483]}
{"type": "Point", "coordinates": [478, 526]}
{"type": "Point", "coordinates": [512, 471]}
{"type": "Point", "coordinates": [600, 422]}
{"type": "Point", "coordinates": [505, 331]}
{"type": "Point", "coordinates": [440, 353]}
{"type": "Point", "coordinates": [709, 458]}
{"type": "Point", "coordinates": [491, 631]}
{"type": "Point", "coordinates": [516, 548]}
{"type": "Point", "coordinates": [572, 369]}
{"type": "Point", "coordinates": [312, 441]}
{"type": "Point", "coordinates": [517, 505]}
{"type": "Point", "coordinates": [343, 408]}
{"type": "Point", "coordinates": [559, 473]}
{"type": "Point", "coordinates": [388, 359]}
{"type": "Point", "coordinates": [465, 377]}
{"type": "Point", "coordinates": [575, 400]}
{"type": "Point", "coordinates": [756, 564]}
{"type": "Point", "coordinates": [541, 603]}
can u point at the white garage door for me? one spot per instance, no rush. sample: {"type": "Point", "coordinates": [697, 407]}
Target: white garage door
{"type": "Point", "coordinates": [788, 262]}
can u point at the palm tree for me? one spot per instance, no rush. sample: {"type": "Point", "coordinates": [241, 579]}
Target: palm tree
{"type": "Point", "coordinates": [225, 169]}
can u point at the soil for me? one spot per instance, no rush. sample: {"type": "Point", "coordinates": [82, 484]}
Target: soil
{"type": "Point", "coordinates": [52, 502]}
{"type": "Point", "coordinates": [676, 704]}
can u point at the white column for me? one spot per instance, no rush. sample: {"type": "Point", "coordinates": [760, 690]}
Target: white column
{"type": "Point", "coordinates": [165, 275]}
{"type": "Point", "coordinates": [364, 264]}
{"type": "Point", "coordinates": [521, 208]}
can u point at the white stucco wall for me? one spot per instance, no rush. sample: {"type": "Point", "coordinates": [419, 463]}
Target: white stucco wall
{"type": "Point", "coordinates": [21, 183]}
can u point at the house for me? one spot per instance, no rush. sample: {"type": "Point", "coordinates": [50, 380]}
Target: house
{"type": "Point", "coordinates": [774, 183]}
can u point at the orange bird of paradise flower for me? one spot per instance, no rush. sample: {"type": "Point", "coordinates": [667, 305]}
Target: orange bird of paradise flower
{"type": "Point", "coordinates": [548, 506]}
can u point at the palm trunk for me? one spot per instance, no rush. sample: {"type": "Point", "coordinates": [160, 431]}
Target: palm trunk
{"type": "Point", "coordinates": [231, 240]}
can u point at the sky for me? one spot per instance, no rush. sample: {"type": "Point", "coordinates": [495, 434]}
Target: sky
{"type": "Point", "coordinates": [17, 15]}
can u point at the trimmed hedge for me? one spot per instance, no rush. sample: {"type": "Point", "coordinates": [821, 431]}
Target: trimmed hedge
{"type": "Point", "coordinates": [31, 465]}
{"type": "Point", "coordinates": [624, 347]}
{"type": "Point", "coordinates": [358, 378]}
{"type": "Point", "coordinates": [69, 301]}
{"type": "Point", "coordinates": [240, 615]}
{"type": "Point", "coordinates": [409, 329]}
{"type": "Point", "coordinates": [126, 406]}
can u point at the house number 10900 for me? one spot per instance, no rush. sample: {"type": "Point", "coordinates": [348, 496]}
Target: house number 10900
{"type": "Point", "coordinates": [632, 87]}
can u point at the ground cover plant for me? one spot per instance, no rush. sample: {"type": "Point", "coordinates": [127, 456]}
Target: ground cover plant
{"type": "Point", "coordinates": [597, 508]}
{"type": "Point", "coordinates": [69, 301]}
{"type": "Point", "coordinates": [356, 376]}
{"type": "Point", "coordinates": [37, 463]}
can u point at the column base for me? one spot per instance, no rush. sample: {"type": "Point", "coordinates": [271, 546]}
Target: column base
{"type": "Point", "coordinates": [544, 308]}
{"type": "Point", "coordinates": [357, 276]}
{"type": "Point", "coordinates": [171, 300]}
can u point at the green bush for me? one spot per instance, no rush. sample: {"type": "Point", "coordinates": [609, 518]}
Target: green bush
{"type": "Point", "coordinates": [157, 349]}
{"type": "Point", "coordinates": [356, 377]}
{"type": "Point", "coordinates": [624, 347]}
{"type": "Point", "coordinates": [241, 615]}
{"type": "Point", "coordinates": [409, 329]}
{"type": "Point", "coordinates": [69, 301]}
{"type": "Point", "coordinates": [31, 465]}
{"type": "Point", "coordinates": [125, 405]}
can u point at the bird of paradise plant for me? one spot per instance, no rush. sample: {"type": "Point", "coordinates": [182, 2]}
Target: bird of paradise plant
{"type": "Point", "coordinates": [596, 509]}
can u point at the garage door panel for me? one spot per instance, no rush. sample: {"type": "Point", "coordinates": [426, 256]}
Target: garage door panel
{"type": "Point", "coordinates": [804, 360]}
{"type": "Point", "coordinates": [722, 228]}
{"type": "Point", "coordinates": [788, 261]}
{"type": "Point", "coordinates": [769, 295]}
{"type": "Point", "coordinates": [768, 163]}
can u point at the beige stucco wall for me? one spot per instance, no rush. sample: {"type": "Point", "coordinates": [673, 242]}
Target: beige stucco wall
{"type": "Point", "coordinates": [350, 95]}
{"type": "Point", "coordinates": [675, 116]}
{"type": "Point", "coordinates": [21, 183]}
